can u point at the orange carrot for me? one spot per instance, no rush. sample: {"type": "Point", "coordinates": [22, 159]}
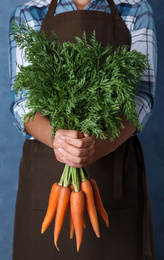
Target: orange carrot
{"type": "Point", "coordinates": [52, 204]}
{"type": "Point", "coordinates": [98, 201]}
{"type": "Point", "coordinates": [71, 223]}
{"type": "Point", "coordinates": [90, 205]}
{"type": "Point", "coordinates": [71, 187]}
{"type": "Point", "coordinates": [63, 201]}
{"type": "Point", "coordinates": [77, 212]}
{"type": "Point", "coordinates": [84, 221]}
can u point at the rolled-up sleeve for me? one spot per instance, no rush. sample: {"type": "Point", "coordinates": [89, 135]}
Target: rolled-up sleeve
{"type": "Point", "coordinates": [16, 56]}
{"type": "Point", "coordinates": [144, 40]}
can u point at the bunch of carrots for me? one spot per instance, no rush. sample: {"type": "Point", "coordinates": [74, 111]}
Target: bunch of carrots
{"type": "Point", "coordinates": [75, 191]}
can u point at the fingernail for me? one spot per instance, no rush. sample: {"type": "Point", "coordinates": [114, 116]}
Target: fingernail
{"type": "Point", "coordinates": [60, 150]}
{"type": "Point", "coordinates": [62, 137]}
{"type": "Point", "coordinates": [60, 141]}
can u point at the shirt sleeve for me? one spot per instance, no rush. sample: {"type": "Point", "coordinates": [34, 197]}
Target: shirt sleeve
{"type": "Point", "coordinates": [144, 41]}
{"type": "Point", "coordinates": [16, 56]}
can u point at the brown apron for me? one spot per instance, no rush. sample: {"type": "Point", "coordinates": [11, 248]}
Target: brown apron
{"type": "Point", "coordinates": [120, 175]}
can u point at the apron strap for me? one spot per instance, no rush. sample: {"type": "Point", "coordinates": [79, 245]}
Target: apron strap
{"type": "Point", "coordinates": [53, 4]}
{"type": "Point", "coordinates": [113, 7]}
{"type": "Point", "coordinates": [146, 231]}
{"type": "Point", "coordinates": [51, 9]}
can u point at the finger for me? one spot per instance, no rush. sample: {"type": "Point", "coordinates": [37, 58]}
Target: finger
{"type": "Point", "coordinates": [79, 152]}
{"type": "Point", "coordinates": [80, 143]}
{"type": "Point", "coordinates": [58, 153]}
{"type": "Point", "coordinates": [56, 144]}
{"type": "Point", "coordinates": [85, 134]}
{"type": "Point", "coordinates": [76, 165]}
{"type": "Point", "coordinates": [61, 159]}
{"type": "Point", "coordinates": [59, 156]}
{"type": "Point", "coordinates": [61, 133]}
{"type": "Point", "coordinates": [71, 133]}
{"type": "Point", "coordinates": [73, 158]}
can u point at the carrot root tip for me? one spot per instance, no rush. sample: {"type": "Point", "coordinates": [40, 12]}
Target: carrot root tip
{"type": "Point", "coordinates": [42, 230]}
{"type": "Point", "coordinates": [98, 235]}
{"type": "Point", "coordinates": [57, 246]}
{"type": "Point", "coordinates": [107, 222]}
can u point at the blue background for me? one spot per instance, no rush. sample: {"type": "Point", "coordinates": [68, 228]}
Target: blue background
{"type": "Point", "coordinates": [11, 141]}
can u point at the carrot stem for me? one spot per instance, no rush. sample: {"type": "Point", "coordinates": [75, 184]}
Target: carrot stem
{"type": "Point", "coordinates": [67, 176]}
{"type": "Point", "coordinates": [83, 174]}
{"type": "Point", "coordinates": [75, 179]}
{"type": "Point", "coordinates": [64, 176]}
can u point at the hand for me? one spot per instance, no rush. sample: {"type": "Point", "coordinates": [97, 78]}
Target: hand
{"type": "Point", "coordinates": [79, 151]}
{"type": "Point", "coordinates": [58, 139]}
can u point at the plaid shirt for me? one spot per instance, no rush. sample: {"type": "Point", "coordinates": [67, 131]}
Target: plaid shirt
{"type": "Point", "coordinates": [138, 17]}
